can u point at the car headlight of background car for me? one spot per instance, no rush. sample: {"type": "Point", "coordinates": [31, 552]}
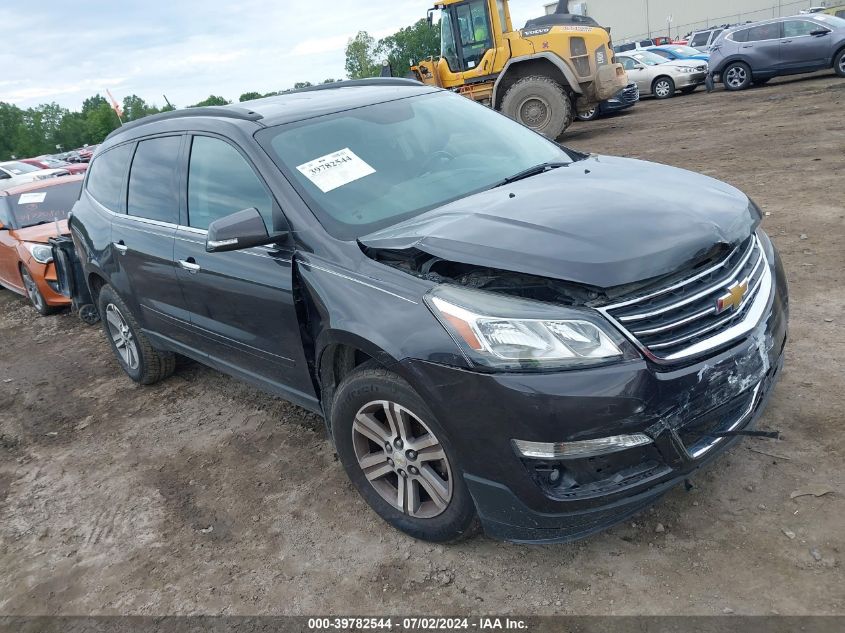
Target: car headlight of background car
{"type": "Point", "coordinates": [41, 253]}
{"type": "Point", "coordinates": [687, 69]}
{"type": "Point", "coordinates": [509, 333]}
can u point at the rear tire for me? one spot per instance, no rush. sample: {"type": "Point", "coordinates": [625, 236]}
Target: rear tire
{"type": "Point", "coordinates": [139, 359]}
{"type": "Point", "coordinates": [736, 76]}
{"type": "Point", "coordinates": [663, 88]}
{"type": "Point", "coordinates": [541, 104]}
{"type": "Point", "coordinates": [377, 421]}
{"type": "Point", "coordinates": [839, 63]}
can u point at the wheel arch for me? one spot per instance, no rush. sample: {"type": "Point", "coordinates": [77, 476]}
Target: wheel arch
{"type": "Point", "coordinates": [547, 64]}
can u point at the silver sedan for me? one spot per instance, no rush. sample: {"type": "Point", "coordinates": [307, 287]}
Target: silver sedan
{"type": "Point", "coordinates": [660, 78]}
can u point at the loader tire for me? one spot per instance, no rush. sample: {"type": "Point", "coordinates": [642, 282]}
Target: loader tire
{"type": "Point", "coordinates": [541, 104]}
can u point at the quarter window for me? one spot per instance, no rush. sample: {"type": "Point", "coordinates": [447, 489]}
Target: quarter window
{"type": "Point", "coordinates": [221, 182]}
{"type": "Point", "coordinates": [154, 180]}
{"type": "Point", "coordinates": [105, 177]}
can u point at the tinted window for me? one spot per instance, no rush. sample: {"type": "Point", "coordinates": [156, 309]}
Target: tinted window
{"type": "Point", "coordinates": [740, 36]}
{"type": "Point", "coordinates": [221, 182]}
{"type": "Point", "coordinates": [797, 28]}
{"type": "Point", "coordinates": [700, 39]}
{"type": "Point", "coordinates": [154, 180]}
{"type": "Point", "coordinates": [48, 204]}
{"type": "Point", "coordinates": [105, 177]}
{"type": "Point", "coordinates": [764, 32]}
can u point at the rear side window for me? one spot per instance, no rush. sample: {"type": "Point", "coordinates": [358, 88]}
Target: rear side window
{"type": "Point", "coordinates": [764, 32]}
{"type": "Point", "coordinates": [48, 204]}
{"type": "Point", "coordinates": [154, 180]}
{"type": "Point", "coordinates": [221, 182]}
{"type": "Point", "coordinates": [700, 39]}
{"type": "Point", "coordinates": [105, 177]}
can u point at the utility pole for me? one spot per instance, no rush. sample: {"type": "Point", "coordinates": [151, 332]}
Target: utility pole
{"type": "Point", "coordinates": [647, 18]}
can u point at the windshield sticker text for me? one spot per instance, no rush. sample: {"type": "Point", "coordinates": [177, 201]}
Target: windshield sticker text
{"type": "Point", "coordinates": [335, 170]}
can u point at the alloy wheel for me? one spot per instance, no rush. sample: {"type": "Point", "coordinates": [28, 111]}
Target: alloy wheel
{"type": "Point", "coordinates": [32, 290]}
{"type": "Point", "coordinates": [736, 77]}
{"type": "Point", "coordinates": [534, 112]}
{"type": "Point", "coordinates": [402, 459]}
{"type": "Point", "coordinates": [662, 89]}
{"type": "Point", "coordinates": [842, 64]}
{"type": "Point", "coordinates": [122, 337]}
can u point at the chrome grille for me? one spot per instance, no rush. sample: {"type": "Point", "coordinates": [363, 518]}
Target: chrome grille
{"type": "Point", "coordinates": [686, 319]}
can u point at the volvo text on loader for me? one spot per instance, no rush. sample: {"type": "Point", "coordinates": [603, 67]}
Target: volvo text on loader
{"type": "Point", "coordinates": [541, 75]}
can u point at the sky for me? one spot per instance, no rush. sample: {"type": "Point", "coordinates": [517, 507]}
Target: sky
{"type": "Point", "coordinates": [65, 51]}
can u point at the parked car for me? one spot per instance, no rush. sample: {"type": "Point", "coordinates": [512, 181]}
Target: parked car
{"type": "Point", "coordinates": [626, 98]}
{"type": "Point", "coordinates": [15, 172]}
{"type": "Point", "coordinates": [48, 162]}
{"type": "Point", "coordinates": [674, 52]}
{"type": "Point", "coordinates": [29, 215]}
{"type": "Point", "coordinates": [641, 44]}
{"type": "Point", "coordinates": [492, 325]}
{"type": "Point", "coordinates": [702, 40]}
{"type": "Point", "coordinates": [785, 46]}
{"type": "Point", "coordinates": [838, 11]}
{"type": "Point", "coordinates": [660, 78]}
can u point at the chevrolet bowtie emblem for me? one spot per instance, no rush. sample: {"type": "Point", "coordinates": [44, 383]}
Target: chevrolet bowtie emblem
{"type": "Point", "coordinates": [733, 298]}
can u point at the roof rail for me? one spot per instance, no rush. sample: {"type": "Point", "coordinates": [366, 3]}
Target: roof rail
{"type": "Point", "coordinates": [229, 112]}
{"type": "Point", "coordinates": [360, 83]}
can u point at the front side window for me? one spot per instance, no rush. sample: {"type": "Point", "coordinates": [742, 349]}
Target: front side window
{"type": "Point", "coordinates": [221, 182]}
{"type": "Point", "coordinates": [154, 180]}
{"type": "Point", "coordinates": [628, 63]}
{"type": "Point", "coordinates": [45, 205]}
{"type": "Point", "coordinates": [371, 167]}
{"type": "Point", "coordinates": [799, 28]}
{"type": "Point", "coordinates": [105, 177]}
{"type": "Point", "coordinates": [764, 32]}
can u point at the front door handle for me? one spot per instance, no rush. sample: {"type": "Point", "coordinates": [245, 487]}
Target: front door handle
{"type": "Point", "coordinates": [120, 247]}
{"type": "Point", "coordinates": [190, 265]}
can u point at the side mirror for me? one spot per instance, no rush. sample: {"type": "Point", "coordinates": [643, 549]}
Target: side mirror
{"type": "Point", "coordinates": [819, 32]}
{"type": "Point", "coordinates": [243, 229]}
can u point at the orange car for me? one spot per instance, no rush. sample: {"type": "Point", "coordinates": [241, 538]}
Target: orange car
{"type": "Point", "coordinates": [29, 215]}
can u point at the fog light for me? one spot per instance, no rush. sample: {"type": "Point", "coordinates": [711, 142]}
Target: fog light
{"type": "Point", "coordinates": [584, 448]}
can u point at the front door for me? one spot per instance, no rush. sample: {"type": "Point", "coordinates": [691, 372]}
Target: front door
{"type": "Point", "coordinates": [801, 51]}
{"type": "Point", "coordinates": [241, 303]}
{"type": "Point", "coordinates": [637, 73]}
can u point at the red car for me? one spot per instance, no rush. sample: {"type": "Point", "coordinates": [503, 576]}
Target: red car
{"type": "Point", "coordinates": [48, 162]}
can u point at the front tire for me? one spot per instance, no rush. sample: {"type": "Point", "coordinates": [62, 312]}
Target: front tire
{"type": "Point", "coordinates": [663, 88]}
{"type": "Point", "coordinates": [839, 63]}
{"type": "Point", "coordinates": [139, 359]}
{"type": "Point", "coordinates": [399, 458]}
{"type": "Point", "coordinates": [541, 104]}
{"type": "Point", "coordinates": [35, 297]}
{"type": "Point", "coordinates": [589, 115]}
{"type": "Point", "coordinates": [737, 76]}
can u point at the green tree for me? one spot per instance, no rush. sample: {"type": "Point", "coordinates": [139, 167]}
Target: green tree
{"type": "Point", "coordinates": [134, 108]}
{"type": "Point", "coordinates": [361, 57]}
{"type": "Point", "coordinates": [299, 85]}
{"type": "Point", "coordinates": [212, 100]}
{"type": "Point", "coordinates": [249, 96]}
{"type": "Point", "coordinates": [409, 45]}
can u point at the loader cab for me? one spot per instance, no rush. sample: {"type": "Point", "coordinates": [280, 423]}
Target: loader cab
{"type": "Point", "coordinates": [468, 31]}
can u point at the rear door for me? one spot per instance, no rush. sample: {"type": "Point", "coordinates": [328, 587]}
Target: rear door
{"type": "Point", "coordinates": [143, 237]}
{"type": "Point", "coordinates": [801, 51]}
{"type": "Point", "coordinates": [241, 303]}
{"type": "Point", "coordinates": [762, 49]}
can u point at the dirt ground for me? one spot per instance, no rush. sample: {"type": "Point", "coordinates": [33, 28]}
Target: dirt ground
{"type": "Point", "coordinates": [203, 496]}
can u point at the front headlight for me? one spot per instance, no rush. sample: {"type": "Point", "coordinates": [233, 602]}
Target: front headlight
{"type": "Point", "coordinates": [686, 69]}
{"type": "Point", "coordinates": [41, 253]}
{"type": "Point", "coordinates": [505, 332]}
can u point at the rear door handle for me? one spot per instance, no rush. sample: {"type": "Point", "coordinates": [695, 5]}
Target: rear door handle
{"type": "Point", "coordinates": [120, 247]}
{"type": "Point", "coordinates": [190, 265]}
{"type": "Point", "coordinates": [786, 42]}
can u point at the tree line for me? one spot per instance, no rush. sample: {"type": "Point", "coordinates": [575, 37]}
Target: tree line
{"type": "Point", "coordinates": [50, 128]}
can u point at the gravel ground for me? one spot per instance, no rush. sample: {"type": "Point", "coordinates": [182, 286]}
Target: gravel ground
{"type": "Point", "coordinates": [201, 495]}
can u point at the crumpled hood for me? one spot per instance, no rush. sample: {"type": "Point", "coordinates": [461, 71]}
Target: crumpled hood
{"type": "Point", "coordinates": [42, 232]}
{"type": "Point", "coordinates": [603, 221]}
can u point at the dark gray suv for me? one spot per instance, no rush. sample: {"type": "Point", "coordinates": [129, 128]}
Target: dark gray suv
{"type": "Point", "coordinates": [755, 53]}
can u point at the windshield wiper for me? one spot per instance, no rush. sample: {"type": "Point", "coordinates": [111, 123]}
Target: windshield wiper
{"type": "Point", "coordinates": [536, 170]}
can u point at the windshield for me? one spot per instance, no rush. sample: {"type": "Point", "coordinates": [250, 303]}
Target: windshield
{"type": "Point", "coordinates": [647, 58]}
{"type": "Point", "coordinates": [48, 204]}
{"type": "Point", "coordinates": [371, 167]}
{"type": "Point", "coordinates": [830, 20]}
{"type": "Point", "coordinates": [17, 168]}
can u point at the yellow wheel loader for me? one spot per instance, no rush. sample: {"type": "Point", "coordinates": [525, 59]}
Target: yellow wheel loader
{"type": "Point", "coordinates": [541, 75]}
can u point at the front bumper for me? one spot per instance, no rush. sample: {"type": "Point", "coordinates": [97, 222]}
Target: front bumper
{"type": "Point", "coordinates": [625, 98]}
{"type": "Point", "coordinates": [524, 500]}
{"type": "Point", "coordinates": [691, 79]}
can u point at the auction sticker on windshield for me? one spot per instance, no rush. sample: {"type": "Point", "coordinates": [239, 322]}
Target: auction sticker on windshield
{"type": "Point", "coordinates": [335, 170]}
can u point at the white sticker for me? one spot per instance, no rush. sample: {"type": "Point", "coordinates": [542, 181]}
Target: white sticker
{"type": "Point", "coordinates": [32, 198]}
{"type": "Point", "coordinates": [335, 170]}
